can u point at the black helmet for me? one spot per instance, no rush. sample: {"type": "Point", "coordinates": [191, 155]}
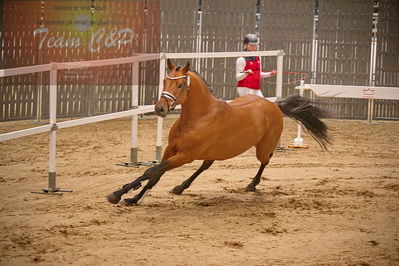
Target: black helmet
{"type": "Point", "coordinates": [251, 38]}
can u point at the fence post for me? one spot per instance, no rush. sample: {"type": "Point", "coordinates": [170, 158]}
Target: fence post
{"type": "Point", "coordinates": [39, 99]}
{"type": "Point", "coordinates": [162, 66]}
{"type": "Point", "coordinates": [298, 141]}
{"type": "Point", "coordinates": [370, 110]}
{"type": "Point", "coordinates": [279, 78]}
{"type": "Point", "coordinates": [52, 176]}
{"type": "Point", "coordinates": [134, 125]}
{"type": "Point", "coordinates": [279, 87]}
{"type": "Point", "coordinates": [373, 60]}
{"type": "Point", "coordinates": [53, 133]}
{"type": "Point", "coordinates": [135, 105]}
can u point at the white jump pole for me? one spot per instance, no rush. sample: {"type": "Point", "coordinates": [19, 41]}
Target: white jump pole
{"type": "Point", "coordinates": [135, 104]}
{"type": "Point", "coordinates": [162, 67]}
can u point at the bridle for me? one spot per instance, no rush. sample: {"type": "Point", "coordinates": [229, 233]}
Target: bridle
{"type": "Point", "coordinates": [170, 96]}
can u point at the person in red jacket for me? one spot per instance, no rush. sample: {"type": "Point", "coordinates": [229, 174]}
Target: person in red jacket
{"type": "Point", "coordinates": [248, 69]}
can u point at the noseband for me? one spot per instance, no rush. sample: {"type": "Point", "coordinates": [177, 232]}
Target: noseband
{"type": "Point", "coordinates": [170, 96]}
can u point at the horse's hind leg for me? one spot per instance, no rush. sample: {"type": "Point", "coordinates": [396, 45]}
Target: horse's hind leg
{"type": "Point", "coordinates": [264, 150]}
{"type": "Point", "coordinates": [256, 179]}
{"type": "Point", "coordinates": [180, 188]}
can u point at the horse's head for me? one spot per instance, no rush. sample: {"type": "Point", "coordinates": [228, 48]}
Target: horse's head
{"type": "Point", "coordinates": [175, 87]}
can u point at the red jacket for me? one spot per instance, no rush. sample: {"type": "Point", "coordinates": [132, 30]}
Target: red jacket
{"type": "Point", "coordinates": [251, 81]}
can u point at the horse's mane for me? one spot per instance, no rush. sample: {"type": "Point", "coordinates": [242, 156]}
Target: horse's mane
{"type": "Point", "coordinates": [202, 78]}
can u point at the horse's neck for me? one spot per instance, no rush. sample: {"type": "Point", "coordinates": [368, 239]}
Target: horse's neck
{"type": "Point", "coordinates": [199, 101]}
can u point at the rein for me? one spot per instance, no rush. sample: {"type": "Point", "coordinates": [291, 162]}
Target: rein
{"type": "Point", "coordinates": [170, 96]}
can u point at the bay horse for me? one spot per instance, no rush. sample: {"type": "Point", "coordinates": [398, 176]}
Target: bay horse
{"type": "Point", "coordinates": [210, 129]}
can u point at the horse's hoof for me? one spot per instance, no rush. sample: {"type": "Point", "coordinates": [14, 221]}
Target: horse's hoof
{"type": "Point", "coordinates": [177, 190]}
{"type": "Point", "coordinates": [113, 198]}
{"type": "Point", "coordinates": [129, 202]}
{"type": "Point", "coordinates": [250, 188]}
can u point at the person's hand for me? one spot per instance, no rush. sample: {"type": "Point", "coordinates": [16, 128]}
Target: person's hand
{"type": "Point", "coordinates": [249, 71]}
{"type": "Point", "coordinates": [273, 73]}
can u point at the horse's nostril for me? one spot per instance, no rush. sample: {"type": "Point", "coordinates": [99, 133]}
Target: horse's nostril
{"type": "Point", "coordinates": [159, 109]}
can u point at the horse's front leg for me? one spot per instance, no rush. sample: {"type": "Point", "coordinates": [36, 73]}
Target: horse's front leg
{"type": "Point", "coordinates": [116, 196]}
{"type": "Point", "coordinates": [152, 174]}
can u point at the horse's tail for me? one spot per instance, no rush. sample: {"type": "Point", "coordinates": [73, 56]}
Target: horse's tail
{"type": "Point", "coordinates": [302, 110]}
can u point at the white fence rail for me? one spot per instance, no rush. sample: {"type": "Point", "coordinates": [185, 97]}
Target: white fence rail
{"type": "Point", "coordinates": [134, 112]}
{"type": "Point", "coordinates": [347, 91]}
{"type": "Point", "coordinates": [358, 92]}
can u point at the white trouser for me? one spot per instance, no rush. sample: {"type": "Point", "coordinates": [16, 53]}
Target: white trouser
{"type": "Point", "coordinates": [244, 91]}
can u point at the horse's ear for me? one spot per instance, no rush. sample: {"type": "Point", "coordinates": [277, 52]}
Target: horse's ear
{"type": "Point", "coordinates": [171, 66]}
{"type": "Point", "coordinates": [186, 68]}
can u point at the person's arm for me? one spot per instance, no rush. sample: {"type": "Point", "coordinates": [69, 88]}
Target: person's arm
{"type": "Point", "coordinates": [267, 74]}
{"type": "Point", "coordinates": [240, 66]}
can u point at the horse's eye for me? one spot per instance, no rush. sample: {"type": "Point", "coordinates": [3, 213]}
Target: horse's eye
{"type": "Point", "coordinates": [179, 86]}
